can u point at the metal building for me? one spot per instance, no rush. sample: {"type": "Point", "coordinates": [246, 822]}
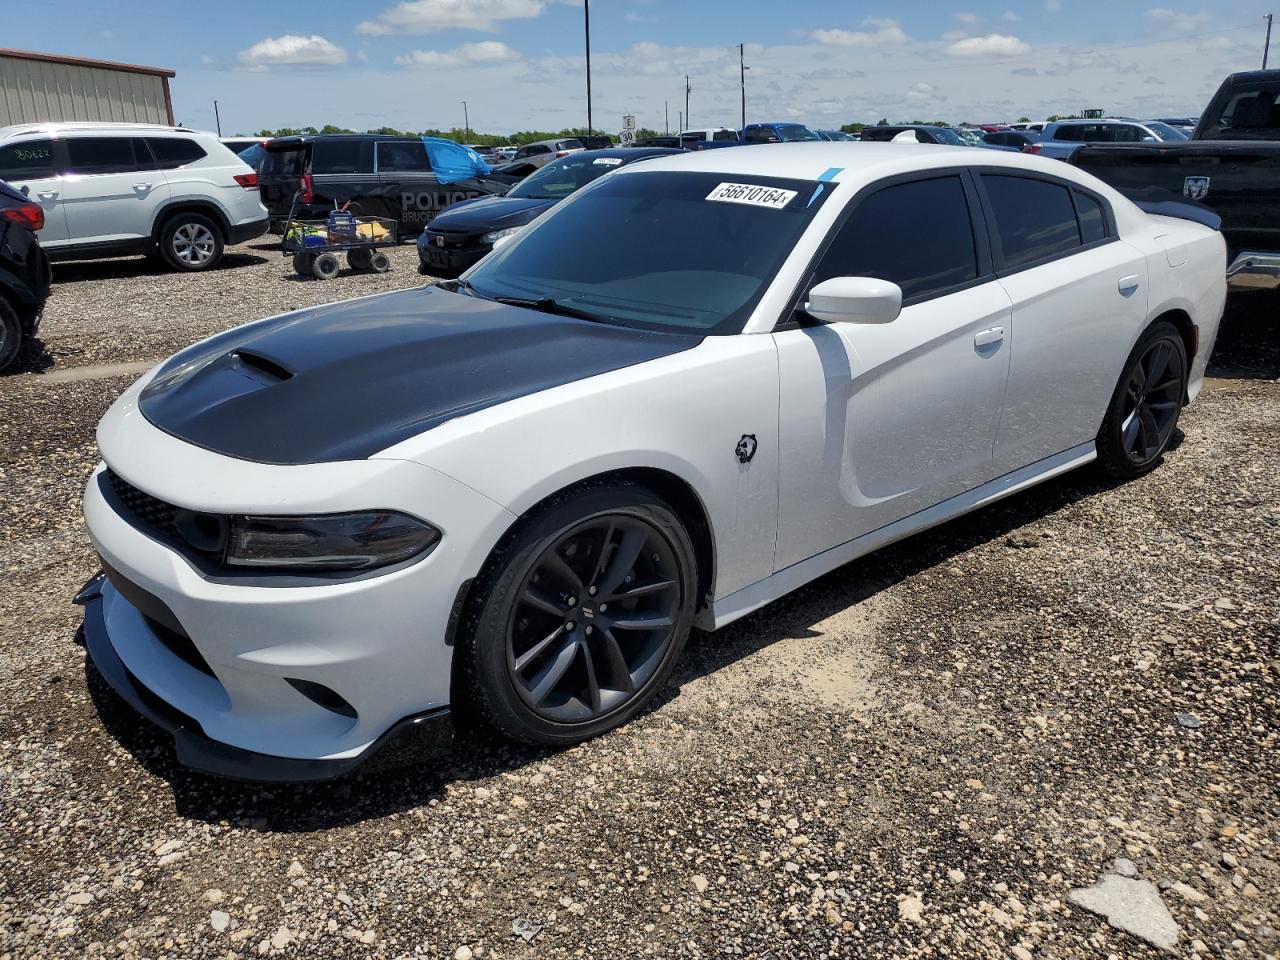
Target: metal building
{"type": "Point", "coordinates": [37, 87]}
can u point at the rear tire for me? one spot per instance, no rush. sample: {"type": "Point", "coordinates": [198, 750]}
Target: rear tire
{"type": "Point", "coordinates": [11, 334]}
{"type": "Point", "coordinates": [1143, 415]}
{"type": "Point", "coordinates": [358, 259]}
{"type": "Point", "coordinates": [379, 262]}
{"type": "Point", "coordinates": [578, 619]}
{"type": "Point", "coordinates": [302, 264]}
{"type": "Point", "coordinates": [191, 242]}
{"type": "Point", "coordinates": [325, 266]}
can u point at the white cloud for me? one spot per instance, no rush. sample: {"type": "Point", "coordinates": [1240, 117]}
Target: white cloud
{"type": "Point", "coordinates": [291, 49]}
{"type": "Point", "coordinates": [883, 31]}
{"type": "Point", "coordinates": [469, 54]}
{"type": "Point", "coordinates": [427, 16]}
{"type": "Point", "coordinates": [1175, 21]}
{"type": "Point", "coordinates": [992, 45]}
{"type": "Point", "coordinates": [965, 17]}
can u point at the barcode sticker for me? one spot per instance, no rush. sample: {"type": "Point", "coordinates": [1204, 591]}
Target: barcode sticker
{"type": "Point", "coordinates": [752, 194]}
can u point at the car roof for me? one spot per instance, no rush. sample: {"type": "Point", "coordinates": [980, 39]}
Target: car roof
{"type": "Point", "coordinates": [54, 128]}
{"type": "Point", "coordinates": [775, 123]}
{"type": "Point", "coordinates": [627, 154]}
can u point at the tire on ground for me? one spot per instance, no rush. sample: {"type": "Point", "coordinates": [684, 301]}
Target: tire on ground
{"type": "Point", "coordinates": [358, 259]}
{"type": "Point", "coordinates": [325, 266]}
{"type": "Point", "coordinates": [11, 334]}
{"type": "Point", "coordinates": [191, 242]}
{"type": "Point", "coordinates": [1113, 454]}
{"type": "Point", "coordinates": [302, 263]}
{"type": "Point", "coordinates": [483, 686]}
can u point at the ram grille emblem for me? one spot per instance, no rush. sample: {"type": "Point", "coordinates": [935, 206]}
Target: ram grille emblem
{"type": "Point", "coordinates": [1195, 188]}
{"type": "Point", "coordinates": [746, 448]}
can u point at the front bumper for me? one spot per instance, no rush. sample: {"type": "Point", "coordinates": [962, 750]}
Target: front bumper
{"type": "Point", "coordinates": [430, 729]}
{"type": "Point", "coordinates": [447, 262]}
{"type": "Point", "coordinates": [1254, 270]}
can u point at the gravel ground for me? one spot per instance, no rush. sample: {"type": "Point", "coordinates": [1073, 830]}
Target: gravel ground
{"type": "Point", "coordinates": [919, 755]}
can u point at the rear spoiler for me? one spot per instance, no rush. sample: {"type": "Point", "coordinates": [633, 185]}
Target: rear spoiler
{"type": "Point", "coordinates": [1183, 211]}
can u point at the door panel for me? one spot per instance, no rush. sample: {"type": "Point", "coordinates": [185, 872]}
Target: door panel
{"type": "Point", "coordinates": [1074, 320]}
{"type": "Point", "coordinates": [879, 421]}
{"type": "Point", "coordinates": [111, 189]}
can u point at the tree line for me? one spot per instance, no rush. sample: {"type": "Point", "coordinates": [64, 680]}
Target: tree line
{"type": "Point", "coordinates": [457, 134]}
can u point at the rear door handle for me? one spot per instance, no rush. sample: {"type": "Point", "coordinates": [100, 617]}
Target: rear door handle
{"type": "Point", "coordinates": [48, 194]}
{"type": "Point", "coordinates": [142, 186]}
{"type": "Point", "coordinates": [985, 338]}
{"type": "Point", "coordinates": [1129, 285]}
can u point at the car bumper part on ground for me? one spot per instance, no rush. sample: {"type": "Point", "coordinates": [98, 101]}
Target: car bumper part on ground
{"type": "Point", "coordinates": [1255, 270]}
{"type": "Point", "coordinates": [432, 729]}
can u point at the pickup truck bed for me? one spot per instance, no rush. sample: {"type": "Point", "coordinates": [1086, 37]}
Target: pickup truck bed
{"type": "Point", "coordinates": [1239, 180]}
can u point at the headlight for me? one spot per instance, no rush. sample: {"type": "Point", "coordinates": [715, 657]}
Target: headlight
{"type": "Point", "coordinates": [335, 541]}
{"type": "Point", "coordinates": [499, 234]}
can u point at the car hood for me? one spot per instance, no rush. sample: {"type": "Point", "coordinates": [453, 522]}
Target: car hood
{"type": "Point", "coordinates": [489, 213]}
{"type": "Point", "coordinates": [345, 381]}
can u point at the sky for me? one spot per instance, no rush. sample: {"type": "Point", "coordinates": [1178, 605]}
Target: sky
{"type": "Point", "coordinates": [519, 63]}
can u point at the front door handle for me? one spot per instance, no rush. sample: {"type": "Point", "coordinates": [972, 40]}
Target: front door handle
{"type": "Point", "coordinates": [142, 186]}
{"type": "Point", "coordinates": [48, 194]}
{"type": "Point", "coordinates": [985, 338]}
{"type": "Point", "coordinates": [1128, 285]}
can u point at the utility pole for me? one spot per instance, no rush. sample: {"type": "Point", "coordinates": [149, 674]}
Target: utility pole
{"type": "Point", "coordinates": [586, 23]}
{"type": "Point", "coordinates": [742, 73]}
{"type": "Point", "coordinates": [686, 103]}
{"type": "Point", "coordinates": [679, 121]}
{"type": "Point", "coordinates": [218, 120]}
{"type": "Point", "coordinates": [1266, 47]}
{"type": "Point", "coordinates": [466, 121]}
{"type": "Point", "coordinates": [666, 118]}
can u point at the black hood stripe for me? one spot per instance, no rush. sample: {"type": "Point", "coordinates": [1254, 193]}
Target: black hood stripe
{"type": "Point", "coordinates": [346, 381]}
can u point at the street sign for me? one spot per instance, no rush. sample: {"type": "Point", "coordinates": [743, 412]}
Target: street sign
{"type": "Point", "coordinates": [628, 134]}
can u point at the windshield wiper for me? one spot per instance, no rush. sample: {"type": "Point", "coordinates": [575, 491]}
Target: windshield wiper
{"type": "Point", "coordinates": [550, 305]}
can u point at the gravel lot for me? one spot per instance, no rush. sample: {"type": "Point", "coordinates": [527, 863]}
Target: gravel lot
{"type": "Point", "coordinates": [919, 755]}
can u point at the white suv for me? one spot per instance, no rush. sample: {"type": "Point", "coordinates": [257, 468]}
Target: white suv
{"type": "Point", "coordinates": [117, 189]}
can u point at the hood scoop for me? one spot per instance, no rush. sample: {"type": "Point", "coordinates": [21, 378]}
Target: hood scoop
{"type": "Point", "coordinates": [257, 365]}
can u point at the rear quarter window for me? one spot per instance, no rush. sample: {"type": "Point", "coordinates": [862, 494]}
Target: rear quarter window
{"type": "Point", "coordinates": [174, 152]}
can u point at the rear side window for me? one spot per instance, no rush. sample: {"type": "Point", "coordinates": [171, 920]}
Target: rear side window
{"type": "Point", "coordinates": [918, 235]}
{"type": "Point", "coordinates": [1093, 221]}
{"type": "Point", "coordinates": [27, 160]}
{"type": "Point", "coordinates": [761, 135]}
{"type": "Point", "coordinates": [1073, 133]}
{"type": "Point", "coordinates": [97, 155]}
{"type": "Point", "coordinates": [174, 152]}
{"type": "Point", "coordinates": [725, 135]}
{"type": "Point", "coordinates": [1034, 218]}
{"type": "Point", "coordinates": [342, 156]}
{"type": "Point", "coordinates": [402, 156]}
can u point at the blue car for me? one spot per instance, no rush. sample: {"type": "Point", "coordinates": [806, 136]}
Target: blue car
{"type": "Point", "coordinates": [462, 234]}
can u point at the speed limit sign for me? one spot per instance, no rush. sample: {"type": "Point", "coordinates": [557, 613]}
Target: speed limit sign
{"type": "Point", "coordinates": [628, 134]}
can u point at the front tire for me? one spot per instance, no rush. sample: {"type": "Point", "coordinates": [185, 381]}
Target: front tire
{"type": "Point", "coordinates": [11, 334]}
{"type": "Point", "coordinates": [1143, 414]}
{"type": "Point", "coordinates": [578, 620]}
{"type": "Point", "coordinates": [191, 242]}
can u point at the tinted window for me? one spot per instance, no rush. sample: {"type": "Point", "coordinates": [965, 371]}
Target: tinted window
{"type": "Point", "coordinates": [726, 135]}
{"type": "Point", "coordinates": [27, 160]}
{"type": "Point", "coordinates": [1093, 222]}
{"type": "Point", "coordinates": [569, 145]}
{"type": "Point", "coordinates": [1072, 132]}
{"type": "Point", "coordinates": [403, 156]}
{"type": "Point", "coordinates": [761, 135]}
{"type": "Point", "coordinates": [1251, 114]}
{"type": "Point", "coordinates": [1127, 134]}
{"type": "Point", "coordinates": [174, 152]}
{"type": "Point", "coordinates": [344, 156]}
{"type": "Point", "coordinates": [1034, 218]}
{"type": "Point", "coordinates": [698, 137]}
{"type": "Point", "coordinates": [93, 155]}
{"type": "Point", "coordinates": [917, 235]}
{"type": "Point", "coordinates": [282, 163]}
{"type": "Point", "coordinates": [689, 262]}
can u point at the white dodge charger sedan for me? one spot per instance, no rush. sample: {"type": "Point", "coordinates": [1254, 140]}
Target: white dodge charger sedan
{"type": "Point", "coordinates": [685, 391]}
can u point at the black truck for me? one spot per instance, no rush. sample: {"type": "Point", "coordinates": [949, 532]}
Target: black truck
{"type": "Point", "coordinates": [1231, 165]}
{"type": "Point", "coordinates": [382, 176]}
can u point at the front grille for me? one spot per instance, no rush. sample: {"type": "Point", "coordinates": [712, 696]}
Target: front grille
{"type": "Point", "coordinates": [453, 241]}
{"type": "Point", "coordinates": [154, 513]}
{"type": "Point", "coordinates": [203, 534]}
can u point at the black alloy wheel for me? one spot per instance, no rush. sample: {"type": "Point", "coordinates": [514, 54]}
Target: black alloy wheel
{"type": "Point", "coordinates": [579, 616]}
{"type": "Point", "coordinates": [593, 619]}
{"type": "Point", "coordinates": [1143, 416]}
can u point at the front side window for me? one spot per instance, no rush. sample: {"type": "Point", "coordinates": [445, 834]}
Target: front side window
{"type": "Point", "coordinates": [26, 160]}
{"type": "Point", "coordinates": [174, 152]}
{"type": "Point", "coordinates": [403, 156]}
{"type": "Point", "coordinates": [918, 235]}
{"type": "Point", "coordinates": [1034, 219]}
{"type": "Point", "coordinates": [89, 156]}
{"type": "Point", "coordinates": [657, 250]}
{"type": "Point", "coordinates": [794, 132]}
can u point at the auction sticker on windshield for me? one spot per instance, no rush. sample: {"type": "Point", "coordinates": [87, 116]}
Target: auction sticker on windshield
{"type": "Point", "coordinates": [607, 161]}
{"type": "Point", "coordinates": [752, 194]}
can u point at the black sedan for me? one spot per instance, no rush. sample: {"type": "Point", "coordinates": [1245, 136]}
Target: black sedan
{"type": "Point", "coordinates": [459, 236]}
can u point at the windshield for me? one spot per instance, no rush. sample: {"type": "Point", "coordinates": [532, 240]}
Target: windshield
{"type": "Point", "coordinates": [790, 132]}
{"type": "Point", "coordinates": [947, 135]}
{"type": "Point", "coordinates": [668, 251]}
{"type": "Point", "coordinates": [1164, 131]}
{"type": "Point", "coordinates": [282, 163]}
{"type": "Point", "coordinates": [562, 177]}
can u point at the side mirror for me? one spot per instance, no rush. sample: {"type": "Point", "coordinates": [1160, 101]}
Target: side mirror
{"type": "Point", "coordinates": [855, 300]}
